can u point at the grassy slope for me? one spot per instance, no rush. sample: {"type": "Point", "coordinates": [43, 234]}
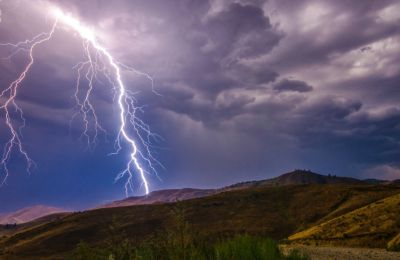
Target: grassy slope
{"type": "Point", "coordinates": [394, 244]}
{"type": "Point", "coordinates": [373, 225]}
{"type": "Point", "coordinates": [356, 198]}
{"type": "Point", "coordinates": [273, 211]}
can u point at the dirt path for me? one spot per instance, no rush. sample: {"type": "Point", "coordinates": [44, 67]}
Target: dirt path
{"type": "Point", "coordinates": [341, 253]}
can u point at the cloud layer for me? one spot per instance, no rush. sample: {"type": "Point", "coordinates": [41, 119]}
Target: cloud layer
{"type": "Point", "coordinates": [249, 88]}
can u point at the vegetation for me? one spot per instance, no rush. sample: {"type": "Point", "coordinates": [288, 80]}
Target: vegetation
{"type": "Point", "coordinates": [180, 242]}
{"type": "Point", "coordinates": [240, 247]}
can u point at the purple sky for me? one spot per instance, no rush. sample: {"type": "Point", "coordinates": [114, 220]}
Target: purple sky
{"type": "Point", "coordinates": [250, 89]}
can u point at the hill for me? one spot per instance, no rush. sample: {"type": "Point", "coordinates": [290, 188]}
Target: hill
{"type": "Point", "coordinates": [161, 196]}
{"type": "Point", "coordinates": [309, 177]}
{"type": "Point", "coordinates": [298, 177]}
{"type": "Point", "coordinates": [28, 214]}
{"type": "Point", "coordinates": [274, 211]}
{"type": "Point", "coordinates": [373, 225]}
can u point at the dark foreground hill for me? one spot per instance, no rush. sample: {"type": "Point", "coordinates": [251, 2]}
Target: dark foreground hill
{"type": "Point", "coordinates": [274, 211]}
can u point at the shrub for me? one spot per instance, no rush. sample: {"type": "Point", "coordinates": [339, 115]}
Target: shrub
{"type": "Point", "coordinates": [247, 247]}
{"type": "Point", "coordinates": [84, 252]}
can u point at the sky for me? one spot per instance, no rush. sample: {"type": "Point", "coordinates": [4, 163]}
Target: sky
{"type": "Point", "coordinates": [247, 90]}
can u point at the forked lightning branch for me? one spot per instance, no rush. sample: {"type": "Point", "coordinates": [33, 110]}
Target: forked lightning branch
{"type": "Point", "coordinates": [132, 131]}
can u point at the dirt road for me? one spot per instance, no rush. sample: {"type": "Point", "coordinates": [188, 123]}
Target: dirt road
{"type": "Point", "coordinates": [341, 253]}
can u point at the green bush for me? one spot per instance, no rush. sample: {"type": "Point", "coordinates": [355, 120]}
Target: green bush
{"type": "Point", "coordinates": [84, 252]}
{"type": "Point", "coordinates": [247, 247]}
{"type": "Point", "coordinates": [393, 247]}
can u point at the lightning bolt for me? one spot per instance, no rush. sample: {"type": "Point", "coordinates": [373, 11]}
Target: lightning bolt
{"type": "Point", "coordinates": [132, 131]}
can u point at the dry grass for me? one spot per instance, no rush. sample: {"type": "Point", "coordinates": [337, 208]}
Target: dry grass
{"type": "Point", "coordinates": [394, 244]}
{"type": "Point", "coordinates": [369, 226]}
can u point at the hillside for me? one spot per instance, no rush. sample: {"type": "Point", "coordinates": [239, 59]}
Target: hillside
{"type": "Point", "coordinates": [394, 244]}
{"type": "Point", "coordinates": [10, 229]}
{"type": "Point", "coordinates": [271, 211]}
{"type": "Point", "coordinates": [28, 214]}
{"type": "Point", "coordinates": [161, 196]}
{"type": "Point", "coordinates": [373, 225]}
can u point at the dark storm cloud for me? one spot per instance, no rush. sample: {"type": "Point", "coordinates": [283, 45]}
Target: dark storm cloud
{"type": "Point", "coordinates": [324, 28]}
{"type": "Point", "coordinates": [292, 85]}
{"type": "Point", "coordinates": [240, 31]}
{"type": "Point", "coordinates": [330, 109]}
{"type": "Point", "coordinates": [249, 88]}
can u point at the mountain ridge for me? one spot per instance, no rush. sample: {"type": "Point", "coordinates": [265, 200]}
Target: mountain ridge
{"type": "Point", "coordinates": [299, 177]}
{"type": "Point", "coordinates": [296, 177]}
{"type": "Point", "coordinates": [28, 214]}
{"type": "Point", "coordinates": [160, 196]}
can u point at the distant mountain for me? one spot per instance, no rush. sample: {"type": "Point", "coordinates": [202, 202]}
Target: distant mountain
{"type": "Point", "coordinates": [28, 214]}
{"type": "Point", "coordinates": [298, 177]}
{"type": "Point", "coordinates": [309, 177]}
{"type": "Point", "coordinates": [161, 196]}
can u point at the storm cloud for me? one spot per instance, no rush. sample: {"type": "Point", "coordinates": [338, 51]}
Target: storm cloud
{"type": "Point", "coordinates": [249, 89]}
